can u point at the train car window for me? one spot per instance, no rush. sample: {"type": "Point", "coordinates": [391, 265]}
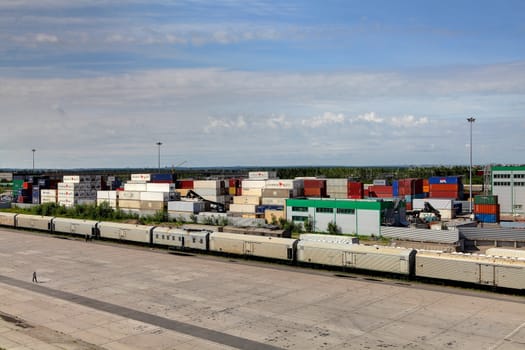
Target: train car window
{"type": "Point", "coordinates": [200, 241]}
{"type": "Point", "coordinates": [157, 236]}
{"type": "Point", "coordinates": [193, 239]}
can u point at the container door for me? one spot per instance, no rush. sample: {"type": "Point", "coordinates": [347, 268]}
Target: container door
{"type": "Point", "coordinates": [349, 259]}
{"type": "Point", "coordinates": [487, 274]}
{"type": "Point", "coordinates": [248, 248]}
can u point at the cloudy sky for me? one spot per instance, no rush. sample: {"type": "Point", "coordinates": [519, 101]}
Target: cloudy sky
{"type": "Point", "coordinates": [96, 83]}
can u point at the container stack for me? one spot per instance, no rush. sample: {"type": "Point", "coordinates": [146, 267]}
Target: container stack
{"type": "Point", "coordinates": [315, 188]}
{"type": "Point", "coordinates": [48, 196]}
{"type": "Point", "coordinates": [78, 189]}
{"type": "Point", "coordinates": [356, 190]}
{"type": "Point", "coordinates": [409, 189]}
{"type": "Point", "coordinates": [212, 190]}
{"type": "Point", "coordinates": [487, 209]}
{"type": "Point", "coordinates": [184, 186]}
{"type": "Point", "coordinates": [274, 196]}
{"type": "Point", "coordinates": [110, 196]}
{"type": "Point", "coordinates": [234, 187]}
{"type": "Point", "coordinates": [246, 204]}
{"type": "Point", "coordinates": [337, 188]}
{"type": "Point", "coordinates": [145, 194]}
{"type": "Point", "coordinates": [449, 187]}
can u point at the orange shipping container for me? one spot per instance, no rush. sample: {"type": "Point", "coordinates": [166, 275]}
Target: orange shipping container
{"type": "Point", "coordinates": [426, 188]}
{"type": "Point", "coordinates": [486, 208]}
{"type": "Point", "coordinates": [444, 187]}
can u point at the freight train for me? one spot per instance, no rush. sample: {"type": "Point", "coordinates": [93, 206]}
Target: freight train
{"type": "Point", "coordinates": [505, 272]}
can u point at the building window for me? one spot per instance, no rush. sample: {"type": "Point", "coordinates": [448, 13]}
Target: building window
{"type": "Point", "coordinates": [301, 209]}
{"type": "Point", "coordinates": [345, 211]}
{"type": "Point", "coordinates": [300, 218]}
{"type": "Point", "coordinates": [324, 210]}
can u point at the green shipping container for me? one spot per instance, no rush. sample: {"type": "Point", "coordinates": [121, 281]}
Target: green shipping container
{"type": "Point", "coordinates": [486, 200]}
{"type": "Point", "coordinates": [17, 185]}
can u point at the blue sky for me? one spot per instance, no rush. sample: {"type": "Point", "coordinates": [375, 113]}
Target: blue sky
{"type": "Point", "coordinates": [227, 83]}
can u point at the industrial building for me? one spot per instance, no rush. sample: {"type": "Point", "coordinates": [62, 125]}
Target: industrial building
{"type": "Point", "coordinates": [361, 217]}
{"type": "Point", "coordinates": [508, 183]}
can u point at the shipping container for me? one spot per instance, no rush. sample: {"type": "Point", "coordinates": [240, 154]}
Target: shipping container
{"type": "Point", "coordinates": [444, 180]}
{"type": "Point", "coordinates": [262, 175]}
{"type": "Point", "coordinates": [485, 199]}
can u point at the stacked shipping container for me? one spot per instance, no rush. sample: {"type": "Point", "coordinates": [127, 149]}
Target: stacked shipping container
{"type": "Point", "coordinates": [445, 187]}
{"type": "Point", "coordinates": [487, 209]}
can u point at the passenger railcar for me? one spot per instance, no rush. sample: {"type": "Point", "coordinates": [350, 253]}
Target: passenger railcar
{"type": "Point", "coordinates": [34, 222]}
{"type": "Point", "coordinates": [260, 246]}
{"type": "Point", "coordinates": [126, 232]}
{"type": "Point", "coordinates": [8, 219]}
{"type": "Point", "coordinates": [373, 258]}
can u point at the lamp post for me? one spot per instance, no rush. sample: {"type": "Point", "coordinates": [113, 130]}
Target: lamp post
{"type": "Point", "coordinates": [159, 144]}
{"type": "Point", "coordinates": [34, 150]}
{"type": "Point", "coordinates": [471, 121]}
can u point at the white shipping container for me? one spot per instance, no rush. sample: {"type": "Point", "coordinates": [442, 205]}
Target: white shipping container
{"type": "Point", "coordinates": [262, 175]}
{"type": "Point", "coordinates": [419, 203]}
{"type": "Point", "coordinates": [107, 194]}
{"type": "Point", "coordinates": [245, 184]}
{"type": "Point", "coordinates": [186, 206]}
{"type": "Point", "coordinates": [285, 184]}
{"type": "Point", "coordinates": [197, 184]}
{"type": "Point", "coordinates": [247, 200]}
{"type": "Point", "coordinates": [135, 186]}
{"type": "Point", "coordinates": [252, 192]}
{"type": "Point", "coordinates": [141, 177]}
{"type": "Point", "coordinates": [67, 186]}
{"type": "Point", "coordinates": [129, 203]}
{"type": "Point", "coordinates": [277, 193]}
{"type": "Point", "coordinates": [154, 196]}
{"type": "Point", "coordinates": [160, 187]}
{"type": "Point", "coordinates": [243, 208]}
{"type": "Point", "coordinates": [151, 205]}
{"type": "Point", "coordinates": [48, 200]}
{"type": "Point", "coordinates": [50, 193]}
{"type": "Point", "coordinates": [208, 191]}
{"type": "Point", "coordinates": [71, 179]}
{"type": "Point", "coordinates": [134, 195]}
{"type": "Point", "coordinates": [273, 201]}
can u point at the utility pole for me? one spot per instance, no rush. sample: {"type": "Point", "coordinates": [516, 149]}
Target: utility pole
{"type": "Point", "coordinates": [159, 144]}
{"type": "Point", "coordinates": [471, 121]}
{"type": "Point", "coordinates": [34, 150]}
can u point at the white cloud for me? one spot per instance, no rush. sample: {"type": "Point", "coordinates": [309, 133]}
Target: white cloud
{"type": "Point", "coordinates": [46, 38]}
{"type": "Point", "coordinates": [408, 121]}
{"type": "Point", "coordinates": [326, 119]}
{"type": "Point", "coordinates": [368, 117]}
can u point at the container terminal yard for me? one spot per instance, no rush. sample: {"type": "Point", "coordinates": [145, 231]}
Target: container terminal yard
{"type": "Point", "coordinates": [186, 282]}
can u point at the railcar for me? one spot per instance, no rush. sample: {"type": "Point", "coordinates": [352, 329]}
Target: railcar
{"type": "Point", "coordinates": [373, 258]}
{"type": "Point", "coordinates": [34, 222]}
{"type": "Point", "coordinates": [167, 236]}
{"type": "Point", "coordinates": [8, 219]}
{"type": "Point", "coordinates": [199, 240]}
{"type": "Point", "coordinates": [472, 268]}
{"type": "Point", "coordinates": [126, 232]}
{"type": "Point", "coordinates": [86, 228]}
{"type": "Point", "coordinates": [259, 246]}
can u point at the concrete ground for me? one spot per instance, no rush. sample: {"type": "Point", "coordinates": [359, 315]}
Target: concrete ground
{"type": "Point", "coordinates": [93, 295]}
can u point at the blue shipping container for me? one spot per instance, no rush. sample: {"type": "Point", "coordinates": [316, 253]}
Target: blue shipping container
{"type": "Point", "coordinates": [452, 180]}
{"type": "Point", "coordinates": [161, 177]}
{"type": "Point", "coordinates": [488, 218]}
{"type": "Point", "coordinates": [263, 208]}
{"type": "Point", "coordinates": [395, 188]}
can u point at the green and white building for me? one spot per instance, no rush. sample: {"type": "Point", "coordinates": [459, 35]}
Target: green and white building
{"type": "Point", "coordinates": [508, 183]}
{"type": "Point", "coordinates": [361, 217]}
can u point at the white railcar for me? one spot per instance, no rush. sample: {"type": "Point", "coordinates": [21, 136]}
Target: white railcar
{"type": "Point", "coordinates": [472, 268]}
{"type": "Point", "coordinates": [85, 228]}
{"type": "Point", "coordinates": [126, 232]}
{"type": "Point", "coordinates": [172, 237]}
{"type": "Point", "coordinates": [197, 240]}
{"type": "Point", "coordinates": [8, 219]}
{"type": "Point", "coordinates": [375, 258]}
{"type": "Point", "coordinates": [34, 222]}
{"type": "Point", "coordinates": [507, 252]}
{"type": "Point", "coordinates": [261, 246]}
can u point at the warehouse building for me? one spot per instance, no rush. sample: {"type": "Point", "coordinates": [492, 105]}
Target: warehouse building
{"type": "Point", "coordinates": [361, 217]}
{"type": "Point", "coordinates": [508, 183]}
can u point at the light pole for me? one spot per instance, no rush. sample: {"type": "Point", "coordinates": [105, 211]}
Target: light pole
{"type": "Point", "coordinates": [159, 144]}
{"type": "Point", "coordinates": [471, 121]}
{"type": "Point", "coordinates": [34, 150]}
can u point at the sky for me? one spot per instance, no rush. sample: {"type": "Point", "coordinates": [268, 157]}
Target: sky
{"type": "Point", "coordinates": [97, 83]}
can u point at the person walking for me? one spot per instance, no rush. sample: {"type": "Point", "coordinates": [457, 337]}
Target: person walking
{"type": "Point", "coordinates": [34, 277]}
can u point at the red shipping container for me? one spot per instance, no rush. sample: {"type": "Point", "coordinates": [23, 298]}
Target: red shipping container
{"type": "Point", "coordinates": [409, 206]}
{"type": "Point", "coordinates": [385, 190]}
{"type": "Point", "coordinates": [443, 194]}
{"type": "Point", "coordinates": [185, 184]}
{"type": "Point", "coordinates": [314, 183]}
{"type": "Point", "coordinates": [366, 193]}
{"type": "Point", "coordinates": [444, 187]}
{"type": "Point", "coordinates": [355, 189]}
{"type": "Point", "coordinates": [314, 192]}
